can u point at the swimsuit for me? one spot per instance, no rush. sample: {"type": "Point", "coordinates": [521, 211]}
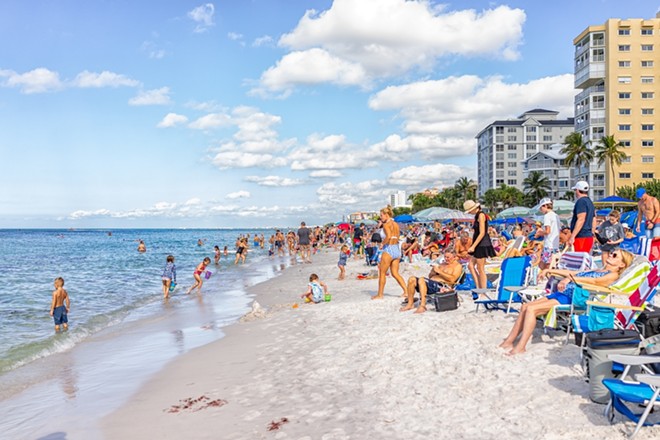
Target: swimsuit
{"type": "Point", "coordinates": [394, 250]}
{"type": "Point", "coordinates": [566, 297]}
{"type": "Point", "coordinates": [317, 292]}
{"type": "Point", "coordinates": [59, 315]}
{"type": "Point", "coordinates": [170, 272]}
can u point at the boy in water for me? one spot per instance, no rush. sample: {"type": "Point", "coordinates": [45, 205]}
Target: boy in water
{"type": "Point", "coordinates": [57, 308]}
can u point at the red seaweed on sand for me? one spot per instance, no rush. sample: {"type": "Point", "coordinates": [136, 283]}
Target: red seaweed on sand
{"type": "Point", "coordinates": [276, 425]}
{"type": "Point", "coordinates": [190, 404]}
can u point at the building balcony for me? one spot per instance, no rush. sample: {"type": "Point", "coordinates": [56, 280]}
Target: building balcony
{"type": "Point", "coordinates": [589, 75]}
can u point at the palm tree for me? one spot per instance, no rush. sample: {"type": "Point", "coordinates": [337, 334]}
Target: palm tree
{"type": "Point", "coordinates": [536, 186]}
{"type": "Point", "coordinates": [609, 149]}
{"type": "Point", "coordinates": [577, 151]}
{"type": "Point", "coordinates": [467, 188]}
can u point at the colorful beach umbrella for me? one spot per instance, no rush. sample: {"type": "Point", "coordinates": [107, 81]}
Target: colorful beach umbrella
{"type": "Point", "coordinates": [439, 213]}
{"type": "Point", "coordinates": [515, 211]}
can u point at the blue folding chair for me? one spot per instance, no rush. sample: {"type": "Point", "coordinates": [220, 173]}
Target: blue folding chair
{"type": "Point", "coordinates": [513, 275]}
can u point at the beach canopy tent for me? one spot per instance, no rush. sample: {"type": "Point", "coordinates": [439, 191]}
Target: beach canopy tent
{"type": "Point", "coordinates": [560, 207]}
{"type": "Point", "coordinates": [405, 218]}
{"type": "Point", "coordinates": [613, 201]}
{"type": "Point", "coordinates": [367, 222]}
{"type": "Point", "coordinates": [516, 211]}
{"type": "Point", "coordinates": [439, 213]}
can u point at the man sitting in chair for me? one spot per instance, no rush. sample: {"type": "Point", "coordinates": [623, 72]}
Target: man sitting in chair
{"type": "Point", "coordinates": [444, 275]}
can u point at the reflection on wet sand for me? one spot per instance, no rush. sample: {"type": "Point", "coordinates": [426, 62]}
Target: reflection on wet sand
{"type": "Point", "coordinates": [69, 381]}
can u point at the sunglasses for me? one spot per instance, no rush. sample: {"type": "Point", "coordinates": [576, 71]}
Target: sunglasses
{"type": "Point", "coordinates": [614, 255]}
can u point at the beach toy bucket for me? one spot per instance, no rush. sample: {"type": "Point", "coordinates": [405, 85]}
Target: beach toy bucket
{"type": "Point", "coordinates": [208, 274]}
{"type": "Point", "coordinates": [328, 297]}
{"type": "Point", "coordinates": [172, 286]}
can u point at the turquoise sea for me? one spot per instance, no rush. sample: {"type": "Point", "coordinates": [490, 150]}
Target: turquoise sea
{"type": "Point", "coordinates": [108, 281]}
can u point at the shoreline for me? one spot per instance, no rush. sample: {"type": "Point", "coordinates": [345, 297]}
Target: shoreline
{"type": "Point", "coordinates": [64, 395]}
{"type": "Point", "coordinates": [360, 369]}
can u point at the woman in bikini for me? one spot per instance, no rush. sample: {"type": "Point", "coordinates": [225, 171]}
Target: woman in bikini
{"type": "Point", "coordinates": [391, 255]}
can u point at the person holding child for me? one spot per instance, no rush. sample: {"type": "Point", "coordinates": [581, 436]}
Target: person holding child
{"type": "Point", "coordinates": [524, 326]}
{"type": "Point", "coordinates": [316, 290]}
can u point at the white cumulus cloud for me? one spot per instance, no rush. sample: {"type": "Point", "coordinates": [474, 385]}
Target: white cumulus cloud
{"type": "Point", "coordinates": [203, 17]}
{"type": "Point", "coordinates": [152, 97]}
{"type": "Point", "coordinates": [86, 79]}
{"type": "Point", "coordinates": [358, 41]}
{"type": "Point", "coordinates": [438, 175]}
{"type": "Point", "coordinates": [172, 120]}
{"type": "Point", "coordinates": [237, 159]}
{"type": "Point", "coordinates": [274, 181]}
{"type": "Point", "coordinates": [39, 80]}
{"type": "Point", "coordinates": [239, 195]}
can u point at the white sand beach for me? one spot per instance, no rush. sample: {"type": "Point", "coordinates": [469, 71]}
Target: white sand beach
{"type": "Point", "coordinates": [354, 368]}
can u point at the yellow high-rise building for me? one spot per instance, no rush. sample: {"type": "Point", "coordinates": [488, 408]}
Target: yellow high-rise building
{"type": "Point", "coordinates": [617, 67]}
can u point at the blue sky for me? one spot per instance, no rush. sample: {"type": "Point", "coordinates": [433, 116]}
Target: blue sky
{"type": "Point", "coordinates": [263, 112]}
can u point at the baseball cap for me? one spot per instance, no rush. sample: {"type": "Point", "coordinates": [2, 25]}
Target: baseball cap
{"type": "Point", "coordinates": [545, 201]}
{"type": "Point", "coordinates": [581, 186]}
{"type": "Point", "coordinates": [625, 226]}
{"type": "Point", "coordinates": [640, 192]}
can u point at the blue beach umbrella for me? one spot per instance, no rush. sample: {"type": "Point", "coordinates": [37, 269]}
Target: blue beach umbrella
{"type": "Point", "coordinates": [404, 218]}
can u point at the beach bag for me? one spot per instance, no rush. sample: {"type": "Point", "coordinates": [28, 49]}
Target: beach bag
{"type": "Point", "coordinates": [648, 323]}
{"type": "Point", "coordinates": [652, 348]}
{"type": "Point", "coordinates": [445, 301]}
{"type": "Point", "coordinates": [469, 284]}
{"type": "Point", "coordinates": [599, 366]}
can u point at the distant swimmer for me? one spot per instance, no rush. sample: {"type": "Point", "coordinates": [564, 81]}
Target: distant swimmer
{"type": "Point", "coordinates": [59, 307]}
{"type": "Point", "coordinates": [200, 242]}
{"type": "Point", "coordinates": [142, 247]}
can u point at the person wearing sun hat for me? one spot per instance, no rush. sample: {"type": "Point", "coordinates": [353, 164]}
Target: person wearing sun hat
{"type": "Point", "coordinates": [582, 223]}
{"type": "Point", "coordinates": [648, 214]}
{"type": "Point", "coordinates": [549, 231]}
{"type": "Point", "coordinates": [481, 247]}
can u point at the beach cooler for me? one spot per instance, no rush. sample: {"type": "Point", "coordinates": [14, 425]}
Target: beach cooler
{"type": "Point", "coordinates": [599, 345]}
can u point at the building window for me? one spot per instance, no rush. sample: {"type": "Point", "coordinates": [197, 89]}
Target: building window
{"type": "Point", "coordinates": [624, 95]}
{"type": "Point", "coordinates": [499, 130]}
{"type": "Point", "coordinates": [624, 31]}
{"type": "Point", "coordinates": [531, 129]}
{"type": "Point", "coordinates": [512, 138]}
{"type": "Point", "coordinates": [511, 129]}
{"type": "Point", "coordinates": [547, 138]}
{"type": "Point", "coordinates": [547, 129]}
{"type": "Point", "coordinates": [624, 175]}
{"type": "Point", "coordinates": [647, 95]}
{"type": "Point", "coordinates": [647, 63]}
{"type": "Point", "coordinates": [648, 159]}
{"type": "Point", "coordinates": [513, 173]}
{"type": "Point", "coordinates": [624, 127]}
{"type": "Point", "coordinates": [512, 156]}
{"type": "Point", "coordinates": [499, 165]}
{"type": "Point", "coordinates": [499, 182]}
{"type": "Point", "coordinates": [648, 143]}
{"type": "Point", "coordinates": [624, 63]}
{"type": "Point", "coordinates": [647, 80]}
{"type": "Point", "coordinates": [647, 31]}
{"type": "Point", "coordinates": [647, 47]}
{"type": "Point", "coordinates": [647, 111]}
{"type": "Point", "coordinates": [647, 175]}
{"type": "Point", "coordinates": [624, 111]}
{"type": "Point", "coordinates": [499, 156]}
{"type": "Point", "coordinates": [626, 159]}
{"type": "Point", "coordinates": [511, 147]}
{"type": "Point", "coordinates": [647, 127]}
{"type": "Point", "coordinates": [624, 47]}
{"type": "Point", "coordinates": [512, 164]}
{"type": "Point", "coordinates": [625, 144]}
{"type": "Point", "coordinates": [625, 80]}
{"type": "Point", "coordinates": [531, 138]}
{"type": "Point", "coordinates": [499, 147]}
{"type": "Point", "coordinates": [512, 182]}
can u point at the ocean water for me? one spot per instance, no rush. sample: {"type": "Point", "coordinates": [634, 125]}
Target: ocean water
{"type": "Point", "coordinates": [108, 281]}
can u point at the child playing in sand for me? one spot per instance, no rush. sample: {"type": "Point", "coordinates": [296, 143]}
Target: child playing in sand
{"type": "Point", "coordinates": [316, 289]}
{"type": "Point", "coordinates": [201, 268]}
{"type": "Point", "coordinates": [58, 309]}
{"type": "Point", "coordinates": [169, 276]}
{"type": "Point", "coordinates": [344, 253]}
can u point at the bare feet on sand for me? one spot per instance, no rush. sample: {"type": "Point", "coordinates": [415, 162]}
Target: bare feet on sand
{"type": "Point", "coordinates": [406, 308]}
{"type": "Point", "coordinates": [506, 344]}
{"type": "Point", "coordinates": [377, 297]}
{"type": "Point", "coordinates": [421, 309]}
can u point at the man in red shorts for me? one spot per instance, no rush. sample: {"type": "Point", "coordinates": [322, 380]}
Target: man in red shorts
{"type": "Point", "coordinates": [582, 223]}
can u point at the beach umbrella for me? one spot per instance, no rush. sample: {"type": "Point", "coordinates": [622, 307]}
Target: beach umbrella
{"type": "Point", "coordinates": [516, 211]}
{"type": "Point", "coordinates": [560, 207]}
{"type": "Point", "coordinates": [439, 213]}
{"type": "Point", "coordinates": [344, 226]}
{"type": "Point", "coordinates": [368, 222]}
{"type": "Point", "coordinates": [613, 201]}
{"type": "Point", "coordinates": [404, 218]}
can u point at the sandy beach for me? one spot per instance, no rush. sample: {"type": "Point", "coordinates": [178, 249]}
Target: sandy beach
{"type": "Point", "coordinates": [360, 369]}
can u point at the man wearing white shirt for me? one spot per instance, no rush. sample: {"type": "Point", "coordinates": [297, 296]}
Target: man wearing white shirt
{"type": "Point", "coordinates": [549, 232]}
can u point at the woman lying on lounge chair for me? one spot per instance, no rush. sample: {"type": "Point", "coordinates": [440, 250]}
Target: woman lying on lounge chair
{"type": "Point", "coordinates": [616, 263]}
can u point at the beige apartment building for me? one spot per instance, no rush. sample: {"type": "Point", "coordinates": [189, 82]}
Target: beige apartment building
{"type": "Point", "coordinates": [617, 69]}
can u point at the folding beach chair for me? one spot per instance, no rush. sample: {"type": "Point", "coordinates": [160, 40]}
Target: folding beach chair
{"type": "Point", "coordinates": [512, 274]}
{"type": "Point", "coordinates": [621, 316]}
{"type": "Point", "coordinates": [644, 392]}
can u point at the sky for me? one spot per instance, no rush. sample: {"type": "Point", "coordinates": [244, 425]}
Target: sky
{"type": "Point", "coordinates": [248, 113]}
